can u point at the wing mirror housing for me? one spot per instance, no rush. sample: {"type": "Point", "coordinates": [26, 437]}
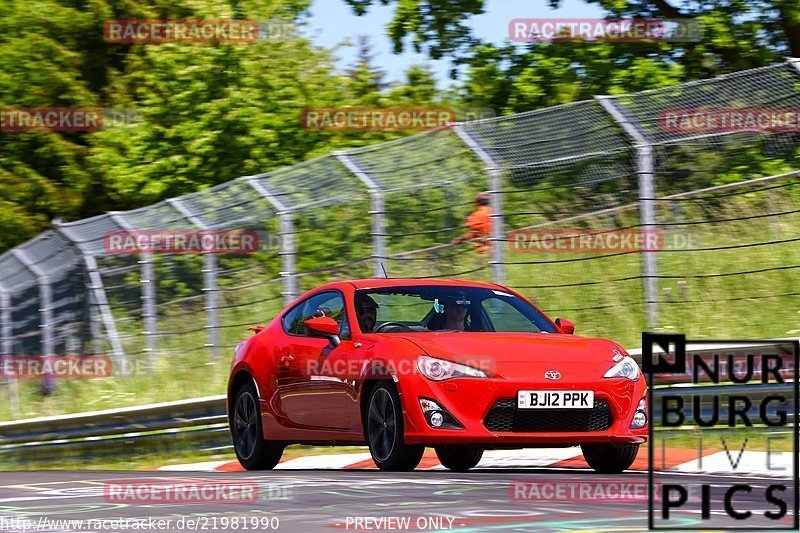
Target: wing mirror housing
{"type": "Point", "coordinates": [566, 327]}
{"type": "Point", "coordinates": [324, 326]}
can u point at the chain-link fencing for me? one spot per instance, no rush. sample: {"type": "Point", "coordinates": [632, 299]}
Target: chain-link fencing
{"type": "Point", "coordinates": [722, 261]}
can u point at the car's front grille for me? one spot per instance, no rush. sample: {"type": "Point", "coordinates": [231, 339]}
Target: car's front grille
{"type": "Point", "coordinates": [504, 416]}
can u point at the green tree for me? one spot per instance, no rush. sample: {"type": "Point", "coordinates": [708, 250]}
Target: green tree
{"type": "Point", "coordinates": [205, 112]}
{"type": "Point", "coordinates": [365, 80]}
{"type": "Point", "coordinates": [436, 26]}
{"type": "Point", "coordinates": [503, 79]}
{"type": "Point", "coordinates": [736, 35]}
{"type": "Point", "coordinates": [211, 113]}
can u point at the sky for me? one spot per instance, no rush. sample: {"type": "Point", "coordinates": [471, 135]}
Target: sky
{"type": "Point", "coordinates": [333, 22]}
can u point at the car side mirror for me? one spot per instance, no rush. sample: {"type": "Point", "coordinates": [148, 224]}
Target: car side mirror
{"type": "Point", "coordinates": [324, 326]}
{"type": "Point", "coordinates": [566, 327]}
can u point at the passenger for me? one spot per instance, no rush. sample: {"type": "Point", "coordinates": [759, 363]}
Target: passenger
{"type": "Point", "coordinates": [454, 316]}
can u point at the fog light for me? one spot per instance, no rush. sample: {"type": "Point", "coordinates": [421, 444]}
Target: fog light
{"type": "Point", "coordinates": [639, 420]}
{"type": "Point", "coordinates": [640, 416]}
{"type": "Point", "coordinates": [436, 416]}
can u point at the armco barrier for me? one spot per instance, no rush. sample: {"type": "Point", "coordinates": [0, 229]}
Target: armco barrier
{"type": "Point", "coordinates": [182, 425]}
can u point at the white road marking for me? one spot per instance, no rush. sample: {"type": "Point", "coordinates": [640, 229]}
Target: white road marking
{"type": "Point", "coordinates": [323, 462]}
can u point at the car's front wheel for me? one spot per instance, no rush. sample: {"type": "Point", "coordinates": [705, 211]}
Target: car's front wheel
{"type": "Point", "coordinates": [459, 458]}
{"type": "Point", "coordinates": [253, 452]}
{"type": "Point", "coordinates": [384, 431]}
{"type": "Point", "coordinates": [609, 458]}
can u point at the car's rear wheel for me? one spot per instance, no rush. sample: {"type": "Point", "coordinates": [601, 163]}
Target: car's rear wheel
{"type": "Point", "coordinates": [253, 452]}
{"type": "Point", "coordinates": [610, 458]}
{"type": "Point", "coordinates": [384, 431]}
{"type": "Point", "coordinates": [459, 458]}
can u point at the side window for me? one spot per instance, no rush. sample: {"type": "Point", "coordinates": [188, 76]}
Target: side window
{"type": "Point", "coordinates": [328, 304]}
{"type": "Point", "coordinates": [291, 320]}
{"type": "Point", "coordinates": [344, 327]}
{"type": "Point", "coordinates": [505, 317]}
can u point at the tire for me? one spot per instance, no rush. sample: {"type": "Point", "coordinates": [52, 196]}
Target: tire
{"type": "Point", "coordinates": [459, 458]}
{"type": "Point", "coordinates": [609, 458]}
{"type": "Point", "coordinates": [383, 427]}
{"type": "Point", "coordinates": [252, 451]}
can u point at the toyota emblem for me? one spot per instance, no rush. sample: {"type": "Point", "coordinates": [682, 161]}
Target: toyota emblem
{"type": "Point", "coordinates": [552, 374]}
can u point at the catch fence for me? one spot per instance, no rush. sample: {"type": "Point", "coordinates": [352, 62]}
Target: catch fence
{"type": "Point", "coordinates": [725, 263]}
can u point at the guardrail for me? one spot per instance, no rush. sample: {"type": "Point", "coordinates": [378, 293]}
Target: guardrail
{"type": "Point", "coordinates": [187, 424]}
{"type": "Point", "coordinates": [201, 423]}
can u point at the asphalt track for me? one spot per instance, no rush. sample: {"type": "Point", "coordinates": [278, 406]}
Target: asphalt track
{"type": "Point", "coordinates": [307, 501]}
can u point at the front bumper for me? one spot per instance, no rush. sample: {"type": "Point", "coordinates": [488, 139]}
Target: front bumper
{"type": "Point", "coordinates": [469, 401]}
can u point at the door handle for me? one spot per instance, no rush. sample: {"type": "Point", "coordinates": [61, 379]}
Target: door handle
{"type": "Point", "coordinates": [287, 360]}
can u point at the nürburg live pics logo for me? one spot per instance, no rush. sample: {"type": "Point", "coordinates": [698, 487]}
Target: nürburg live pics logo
{"type": "Point", "coordinates": [727, 412]}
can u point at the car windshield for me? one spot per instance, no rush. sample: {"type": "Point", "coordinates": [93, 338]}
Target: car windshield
{"type": "Point", "coordinates": [446, 308]}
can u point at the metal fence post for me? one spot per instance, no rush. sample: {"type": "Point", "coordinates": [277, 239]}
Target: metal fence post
{"type": "Point", "coordinates": [377, 211]}
{"type": "Point", "coordinates": [498, 231]}
{"type": "Point", "coordinates": [6, 325]}
{"type": "Point", "coordinates": [148, 296]}
{"type": "Point", "coordinates": [647, 194]}
{"type": "Point", "coordinates": [45, 301]}
{"type": "Point", "coordinates": [495, 182]}
{"type": "Point", "coordinates": [288, 251]}
{"type": "Point", "coordinates": [95, 320]}
{"type": "Point", "coordinates": [99, 310]}
{"type": "Point", "coordinates": [210, 301]}
{"type": "Point", "coordinates": [148, 283]}
{"type": "Point", "coordinates": [210, 305]}
{"type": "Point", "coordinates": [7, 349]}
{"type": "Point", "coordinates": [288, 255]}
{"type": "Point", "coordinates": [645, 169]}
{"type": "Point", "coordinates": [100, 300]}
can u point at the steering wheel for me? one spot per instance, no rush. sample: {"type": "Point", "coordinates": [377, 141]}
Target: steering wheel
{"type": "Point", "coordinates": [379, 328]}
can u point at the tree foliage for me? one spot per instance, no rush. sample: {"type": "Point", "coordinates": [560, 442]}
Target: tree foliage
{"type": "Point", "coordinates": [204, 113]}
{"type": "Point", "coordinates": [737, 34]}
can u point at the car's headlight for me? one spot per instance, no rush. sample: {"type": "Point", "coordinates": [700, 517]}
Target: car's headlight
{"type": "Point", "coordinates": [624, 368]}
{"type": "Point", "coordinates": [439, 369]}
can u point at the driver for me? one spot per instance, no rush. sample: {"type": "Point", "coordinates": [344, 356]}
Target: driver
{"type": "Point", "coordinates": [367, 310]}
{"type": "Point", "coordinates": [455, 311]}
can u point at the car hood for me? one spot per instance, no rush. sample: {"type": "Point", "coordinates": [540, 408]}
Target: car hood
{"type": "Point", "coordinates": [514, 354]}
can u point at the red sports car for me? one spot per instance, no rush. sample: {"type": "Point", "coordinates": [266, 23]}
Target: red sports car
{"type": "Point", "coordinates": [402, 364]}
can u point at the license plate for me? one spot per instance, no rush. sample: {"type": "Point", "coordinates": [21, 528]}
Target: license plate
{"type": "Point", "coordinates": [555, 399]}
